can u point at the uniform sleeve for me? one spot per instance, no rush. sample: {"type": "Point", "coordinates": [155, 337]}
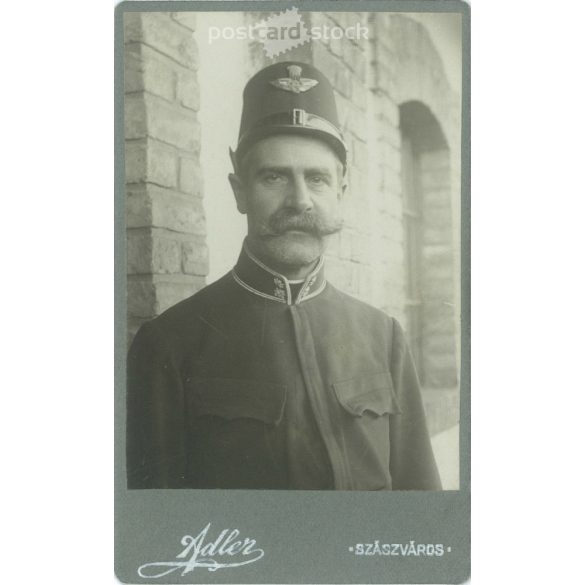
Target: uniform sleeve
{"type": "Point", "coordinates": [155, 413]}
{"type": "Point", "coordinates": [412, 463]}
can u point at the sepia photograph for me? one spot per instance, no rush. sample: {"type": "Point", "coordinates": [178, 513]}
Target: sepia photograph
{"type": "Point", "coordinates": [293, 274]}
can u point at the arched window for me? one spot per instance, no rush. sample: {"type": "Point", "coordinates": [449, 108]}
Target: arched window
{"type": "Point", "coordinates": [428, 242]}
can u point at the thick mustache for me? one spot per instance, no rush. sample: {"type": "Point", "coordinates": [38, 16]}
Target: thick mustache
{"type": "Point", "coordinates": [312, 223]}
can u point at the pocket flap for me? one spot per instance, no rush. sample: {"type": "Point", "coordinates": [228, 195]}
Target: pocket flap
{"type": "Point", "coordinates": [232, 398]}
{"type": "Point", "coordinates": [374, 393]}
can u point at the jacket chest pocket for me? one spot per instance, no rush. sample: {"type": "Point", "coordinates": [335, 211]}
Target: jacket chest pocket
{"type": "Point", "coordinates": [235, 438]}
{"type": "Point", "coordinates": [370, 395]}
{"type": "Point", "coordinates": [367, 404]}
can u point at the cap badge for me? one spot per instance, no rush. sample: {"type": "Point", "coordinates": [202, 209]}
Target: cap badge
{"type": "Point", "coordinates": [294, 82]}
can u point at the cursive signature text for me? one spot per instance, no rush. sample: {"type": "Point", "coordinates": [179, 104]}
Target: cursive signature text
{"type": "Point", "coordinates": [227, 550]}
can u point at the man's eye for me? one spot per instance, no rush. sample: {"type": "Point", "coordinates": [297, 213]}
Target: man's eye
{"type": "Point", "coordinates": [317, 180]}
{"type": "Point", "coordinates": [273, 178]}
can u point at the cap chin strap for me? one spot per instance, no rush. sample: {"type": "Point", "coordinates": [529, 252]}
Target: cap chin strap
{"type": "Point", "coordinates": [293, 120]}
{"type": "Point", "coordinates": [296, 118]}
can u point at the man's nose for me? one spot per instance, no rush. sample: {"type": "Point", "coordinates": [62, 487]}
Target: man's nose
{"type": "Point", "coordinates": [299, 196]}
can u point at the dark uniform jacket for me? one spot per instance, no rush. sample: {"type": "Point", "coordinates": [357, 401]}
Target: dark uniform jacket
{"type": "Point", "coordinates": [261, 382]}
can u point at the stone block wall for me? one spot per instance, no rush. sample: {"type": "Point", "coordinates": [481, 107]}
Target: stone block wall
{"type": "Point", "coordinates": [166, 244]}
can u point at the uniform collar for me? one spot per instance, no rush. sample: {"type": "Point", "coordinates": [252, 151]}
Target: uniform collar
{"type": "Point", "coordinates": [256, 277]}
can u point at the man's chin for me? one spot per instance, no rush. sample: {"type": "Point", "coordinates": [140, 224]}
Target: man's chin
{"type": "Point", "coordinates": [293, 248]}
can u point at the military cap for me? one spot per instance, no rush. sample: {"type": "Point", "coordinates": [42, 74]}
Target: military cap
{"type": "Point", "coordinates": [293, 98]}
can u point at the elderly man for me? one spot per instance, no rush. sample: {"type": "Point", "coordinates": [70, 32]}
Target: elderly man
{"type": "Point", "coordinates": [270, 378]}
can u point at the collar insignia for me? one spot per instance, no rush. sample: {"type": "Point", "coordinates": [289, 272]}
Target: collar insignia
{"type": "Point", "coordinates": [294, 82]}
{"type": "Point", "coordinates": [251, 274]}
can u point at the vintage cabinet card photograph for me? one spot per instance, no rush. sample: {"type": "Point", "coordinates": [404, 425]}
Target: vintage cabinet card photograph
{"type": "Point", "coordinates": [292, 292]}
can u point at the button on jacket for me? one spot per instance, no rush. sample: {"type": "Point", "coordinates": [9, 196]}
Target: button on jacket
{"type": "Point", "coordinates": [258, 382]}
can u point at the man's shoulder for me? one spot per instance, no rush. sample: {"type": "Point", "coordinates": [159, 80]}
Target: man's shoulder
{"type": "Point", "coordinates": [178, 320]}
{"type": "Point", "coordinates": [340, 296]}
{"type": "Point", "coordinates": [351, 303]}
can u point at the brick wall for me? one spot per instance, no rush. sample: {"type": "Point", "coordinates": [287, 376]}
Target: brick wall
{"type": "Point", "coordinates": [166, 247]}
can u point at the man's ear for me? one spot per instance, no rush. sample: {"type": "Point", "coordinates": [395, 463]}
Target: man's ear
{"type": "Point", "coordinates": [239, 190]}
{"type": "Point", "coordinates": [344, 182]}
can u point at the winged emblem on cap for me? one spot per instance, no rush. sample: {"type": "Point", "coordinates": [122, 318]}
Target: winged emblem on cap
{"type": "Point", "coordinates": [294, 82]}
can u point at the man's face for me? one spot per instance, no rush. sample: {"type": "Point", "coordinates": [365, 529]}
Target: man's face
{"type": "Point", "coordinates": [290, 188]}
